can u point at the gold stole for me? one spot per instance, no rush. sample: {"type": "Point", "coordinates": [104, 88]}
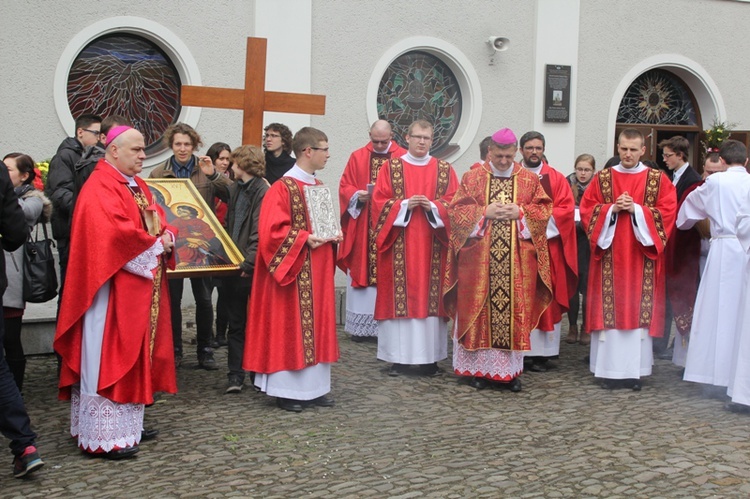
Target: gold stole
{"type": "Point", "coordinates": [500, 301]}
{"type": "Point", "coordinates": [304, 278]}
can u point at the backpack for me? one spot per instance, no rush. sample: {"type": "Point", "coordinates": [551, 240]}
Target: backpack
{"type": "Point", "coordinates": [83, 168]}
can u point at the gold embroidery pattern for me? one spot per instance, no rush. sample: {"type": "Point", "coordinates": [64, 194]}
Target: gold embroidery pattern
{"type": "Point", "coordinates": [376, 163]}
{"type": "Point", "coordinates": [399, 246]}
{"type": "Point", "coordinates": [155, 299]}
{"type": "Point", "coordinates": [649, 267]}
{"type": "Point", "coordinates": [304, 278]}
{"type": "Point", "coordinates": [500, 302]}
{"type": "Point", "coordinates": [436, 277]}
{"type": "Point", "coordinates": [685, 321]}
{"type": "Point", "coordinates": [651, 197]}
{"type": "Point", "coordinates": [608, 277]}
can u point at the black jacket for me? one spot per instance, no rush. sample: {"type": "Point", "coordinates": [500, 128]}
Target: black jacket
{"type": "Point", "coordinates": [13, 228]}
{"type": "Point", "coordinates": [688, 178]}
{"type": "Point", "coordinates": [61, 185]}
{"type": "Point", "coordinates": [247, 242]}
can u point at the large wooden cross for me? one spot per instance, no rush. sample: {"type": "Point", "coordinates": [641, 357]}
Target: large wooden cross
{"type": "Point", "coordinates": [254, 99]}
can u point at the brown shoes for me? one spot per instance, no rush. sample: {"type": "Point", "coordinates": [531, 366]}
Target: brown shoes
{"type": "Point", "coordinates": [572, 334]}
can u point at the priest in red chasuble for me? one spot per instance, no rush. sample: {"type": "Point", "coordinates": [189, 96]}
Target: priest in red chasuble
{"type": "Point", "coordinates": [411, 224]}
{"type": "Point", "coordinates": [358, 253]}
{"type": "Point", "coordinates": [563, 251]}
{"type": "Point", "coordinates": [114, 330]}
{"type": "Point", "coordinates": [291, 323]}
{"type": "Point", "coordinates": [628, 211]}
{"type": "Point", "coordinates": [498, 279]}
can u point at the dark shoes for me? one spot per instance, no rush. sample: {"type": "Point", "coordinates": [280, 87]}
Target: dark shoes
{"type": "Point", "coordinates": [538, 365]}
{"type": "Point", "coordinates": [206, 360]}
{"type": "Point", "coordinates": [396, 370]}
{"type": "Point", "coordinates": [322, 401]}
{"type": "Point", "coordinates": [572, 334]}
{"type": "Point", "coordinates": [234, 385]}
{"type": "Point", "coordinates": [479, 383]}
{"type": "Point", "coordinates": [147, 435]}
{"type": "Point", "coordinates": [611, 384]}
{"type": "Point", "coordinates": [27, 463]}
{"type": "Point", "coordinates": [430, 369]}
{"type": "Point", "coordinates": [737, 408]}
{"type": "Point", "coordinates": [221, 340]}
{"type": "Point", "coordinates": [116, 455]}
{"type": "Point", "coordinates": [515, 385]}
{"type": "Point", "coordinates": [290, 405]}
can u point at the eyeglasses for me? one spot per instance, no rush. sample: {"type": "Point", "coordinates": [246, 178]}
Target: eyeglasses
{"type": "Point", "coordinates": [584, 170]}
{"type": "Point", "coordinates": [667, 155]}
{"type": "Point", "coordinates": [319, 149]}
{"type": "Point", "coordinates": [533, 148]}
{"type": "Point", "coordinates": [95, 132]}
{"type": "Point", "coordinates": [271, 136]}
{"type": "Point", "coordinates": [421, 138]}
{"type": "Point", "coordinates": [380, 141]}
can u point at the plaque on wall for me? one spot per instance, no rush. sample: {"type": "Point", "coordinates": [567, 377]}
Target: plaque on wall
{"type": "Point", "coordinates": [557, 94]}
{"type": "Point", "coordinates": [323, 217]}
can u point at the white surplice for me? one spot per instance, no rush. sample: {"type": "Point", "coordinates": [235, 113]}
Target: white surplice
{"type": "Point", "coordinates": [712, 336]}
{"type": "Point", "coordinates": [739, 376]}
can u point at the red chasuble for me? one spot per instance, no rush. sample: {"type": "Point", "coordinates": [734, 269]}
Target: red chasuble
{"type": "Point", "coordinates": [683, 270]}
{"type": "Point", "coordinates": [108, 231]}
{"type": "Point", "coordinates": [411, 259]}
{"type": "Point", "coordinates": [563, 250]}
{"type": "Point", "coordinates": [291, 314]}
{"type": "Point", "coordinates": [498, 284]}
{"type": "Point", "coordinates": [627, 280]}
{"type": "Point", "coordinates": [358, 252]}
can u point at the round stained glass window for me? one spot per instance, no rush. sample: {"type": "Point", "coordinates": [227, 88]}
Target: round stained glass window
{"type": "Point", "coordinates": [418, 85]}
{"type": "Point", "coordinates": [128, 75]}
{"type": "Point", "coordinates": [657, 97]}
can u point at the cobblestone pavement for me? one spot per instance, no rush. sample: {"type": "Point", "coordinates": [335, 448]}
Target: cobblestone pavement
{"type": "Point", "coordinates": [562, 436]}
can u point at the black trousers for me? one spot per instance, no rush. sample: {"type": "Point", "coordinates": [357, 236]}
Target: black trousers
{"type": "Point", "coordinates": [236, 302]}
{"type": "Point", "coordinates": [14, 349]}
{"type": "Point", "coordinates": [14, 420]}
{"type": "Point", "coordinates": [584, 255]}
{"type": "Point", "coordinates": [204, 312]}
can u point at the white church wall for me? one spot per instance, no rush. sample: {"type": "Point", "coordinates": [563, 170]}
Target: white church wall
{"type": "Point", "coordinates": [349, 39]}
{"type": "Point", "coordinates": [617, 36]}
{"type": "Point", "coordinates": [34, 37]}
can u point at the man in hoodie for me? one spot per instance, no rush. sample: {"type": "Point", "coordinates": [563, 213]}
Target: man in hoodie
{"type": "Point", "coordinates": [61, 184]}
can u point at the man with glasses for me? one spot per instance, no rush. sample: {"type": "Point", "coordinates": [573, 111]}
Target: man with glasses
{"type": "Point", "coordinates": [563, 253]}
{"type": "Point", "coordinates": [682, 252]}
{"type": "Point", "coordinates": [61, 182]}
{"type": "Point", "coordinates": [277, 142]}
{"type": "Point", "coordinates": [357, 254]}
{"type": "Point", "coordinates": [410, 220]}
{"type": "Point", "coordinates": [291, 328]}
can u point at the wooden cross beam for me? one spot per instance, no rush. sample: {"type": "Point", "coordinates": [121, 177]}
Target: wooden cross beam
{"type": "Point", "coordinates": [254, 99]}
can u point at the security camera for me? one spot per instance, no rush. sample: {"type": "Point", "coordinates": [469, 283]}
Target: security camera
{"type": "Point", "coordinates": [498, 43]}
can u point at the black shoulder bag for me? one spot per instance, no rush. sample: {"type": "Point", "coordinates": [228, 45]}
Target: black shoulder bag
{"type": "Point", "coordinates": [39, 275]}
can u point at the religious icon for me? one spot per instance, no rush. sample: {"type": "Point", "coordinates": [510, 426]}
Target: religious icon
{"type": "Point", "coordinates": [323, 217]}
{"type": "Point", "coordinates": [203, 248]}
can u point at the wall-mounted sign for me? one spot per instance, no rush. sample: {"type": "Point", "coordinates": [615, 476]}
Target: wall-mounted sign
{"type": "Point", "coordinates": [557, 94]}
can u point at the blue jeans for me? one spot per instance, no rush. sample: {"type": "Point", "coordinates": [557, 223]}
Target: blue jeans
{"type": "Point", "coordinates": [14, 420]}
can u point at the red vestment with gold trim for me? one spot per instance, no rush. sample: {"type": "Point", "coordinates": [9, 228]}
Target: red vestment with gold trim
{"type": "Point", "coordinates": [499, 284]}
{"type": "Point", "coordinates": [291, 314]}
{"type": "Point", "coordinates": [411, 259]}
{"type": "Point", "coordinates": [108, 231]}
{"type": "Point", "coordinates": [563, 249]}
{"type": "Point", "coordinates": [357, 253]}
{"type": "Point", "coordinates": [627, 280]}
{"type": "Point", "coordinates": [683, 270]}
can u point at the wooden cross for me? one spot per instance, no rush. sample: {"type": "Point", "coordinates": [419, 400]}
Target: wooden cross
{"type": "Point", "coordinates": [254, 99]}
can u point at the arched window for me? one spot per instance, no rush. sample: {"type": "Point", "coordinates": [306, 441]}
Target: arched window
{"type": "Point", "coordinates": [419, 85]}
{"type": "Point", "coordinates": [127, 74]}
{"type": "Point", "coordinates": [658, 97]}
